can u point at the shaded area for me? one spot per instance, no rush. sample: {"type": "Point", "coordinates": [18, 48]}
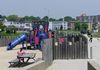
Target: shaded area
{"type": "Point", "coordinates": [90, 67]}
{"type": "Point", "coordinates": [21, 64]}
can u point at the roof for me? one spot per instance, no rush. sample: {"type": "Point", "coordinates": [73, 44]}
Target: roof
{"type": "Point", "coordinates": [57, 22]}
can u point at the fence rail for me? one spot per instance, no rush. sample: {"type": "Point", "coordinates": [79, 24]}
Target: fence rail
{"type": "Point", "coordinates": [71, 47]}
{"type": "Point", "coordinates": [67, 47]}
{"type": "Point", "coordinates": [4, 40]}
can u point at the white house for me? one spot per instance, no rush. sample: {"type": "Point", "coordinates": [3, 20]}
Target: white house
{"type": "Point", "coordinates": [57, 24]}
{"type": "Point", "coordinates": [19, 25]}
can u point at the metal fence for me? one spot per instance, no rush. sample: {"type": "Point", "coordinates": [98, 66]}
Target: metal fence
{"type": "Point", "coordinates": [47, 52]}
{"type": "Point", "coordinates": [66, 47]}
{"type": "Point", "coordinates": [4, 40]}
{"type": "Point", "coordinates": [70, 47]}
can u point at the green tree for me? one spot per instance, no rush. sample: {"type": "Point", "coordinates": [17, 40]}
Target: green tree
{"type": "Point", "coordinates": [12, 18]}
{"type": "Point", "coordinates": [68, 18]}
{"type": "Point", "coordinates": [2, 27]}
{"type": "Point", "coordinates": [60, 19]}
{"type": "Point", "coordinates": [25, 18]}
{"type": "Point", "coordinates": [30, 18]}
{"type": "Point", "coordinates": [2, 17]}
{"type": "Point", "coordinates": [37, 18]}
{"type": "Point", "coordinates": [52, 19]}
{"type": "Point", "coordinates": [61, 27]}
{"type": "Point", "coordinates": [77, 26]}
{"type": "Point", "coordinates": [84, 26]}
{"type": "Point", "coordinates": [11, 29]}
{"type": "Point", "coordinates": [45, 18]}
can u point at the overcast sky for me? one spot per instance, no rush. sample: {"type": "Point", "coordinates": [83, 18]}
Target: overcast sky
{"type": "Point", "coordinates": [53, 8]}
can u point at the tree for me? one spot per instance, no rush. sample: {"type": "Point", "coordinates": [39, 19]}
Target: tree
{"type": "Point", "coordinates": [68, 18]}
{"type": "Point", "coordinates": [31, 18]}
{"type": "Point", "coordinates": [77, 26]}
{"type": "Point", "coordinates": [61, 27]}
{"type": "Point", "coordinates": [37, 18]}
{"type": "Point", "coordinates": [84, 26]}
{"type": "Point", "coordinates": [2, 27]}
{"type": "Point", "coordinates": [60, 19]}
{"type": "Point", "coordinates": [11, 29]}
{"type": "Point", "coordinates": [52, 19]}
{"type": "Point", "coordinates": [25, 18]}
{"type": "Point", "coordinates": [45, 18]}
{"type": "Point", "coordinates": [2, 17]}
{"type": "Point", "coordinates": [12, 18]}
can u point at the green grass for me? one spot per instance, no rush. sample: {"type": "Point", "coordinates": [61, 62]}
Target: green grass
{"type": "Point", "coordinates": [70, 31]}
{"type": "Point", "coordinates": [96, 34]}
{"type": "Point", "coordinates": [11, 34]}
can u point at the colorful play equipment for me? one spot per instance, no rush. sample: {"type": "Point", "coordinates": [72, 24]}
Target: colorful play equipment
{"type": "Point", "coordinates": [40, 32]}
{"type": "Point", "coordinates": [35, 37]}
{"type": "Point", "coordinates": [17, 41]}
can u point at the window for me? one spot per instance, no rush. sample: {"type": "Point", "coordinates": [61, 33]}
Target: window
{"type": "Point", "coordinates": [28, 25]}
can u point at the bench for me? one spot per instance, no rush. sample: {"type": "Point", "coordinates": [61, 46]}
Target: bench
{"type": "Point", "coordinates": [33, 57]}
{"type": "Point", "coordinates": [28, 56]}
{"type": "Point", "coordinates": [14, 61]}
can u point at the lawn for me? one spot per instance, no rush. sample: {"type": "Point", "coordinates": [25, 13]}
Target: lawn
{"type": "Point", "coordinates": [96, 34]}
{"type": "Point", "coordinates": [10, 34]}
{"type": "Point", "coordinates": [70, 31]}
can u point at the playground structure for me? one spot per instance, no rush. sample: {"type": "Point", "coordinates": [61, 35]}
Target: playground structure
{"type": "Point", "coordinates": [17, 41]}
{"type": "Point", "coordinates": [35, 37]}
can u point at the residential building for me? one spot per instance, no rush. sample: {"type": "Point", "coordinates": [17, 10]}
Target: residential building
{"type": "Point", "coordinates": [57, 24]}
{"type": "Point", "coordinates": [19, 25]}
{"type": "Point", "coordinates": [71, 25]}
{"type": "Point", "coordinates": [93, 20]}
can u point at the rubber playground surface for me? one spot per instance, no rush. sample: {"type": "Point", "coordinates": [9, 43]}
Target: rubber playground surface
{"type": "Point", "coordinates": [6, 56]}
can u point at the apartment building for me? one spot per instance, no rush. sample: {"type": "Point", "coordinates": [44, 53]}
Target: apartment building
{"type": "Point", "coordinates": [93, 21]}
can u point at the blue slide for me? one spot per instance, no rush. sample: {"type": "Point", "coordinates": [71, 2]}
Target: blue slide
{"type": "Point", "coordinates": [17, 41]}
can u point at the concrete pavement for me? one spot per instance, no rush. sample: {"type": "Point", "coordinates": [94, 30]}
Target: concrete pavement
{"type": "Point", "coordinates": [6, 56]}
{"type": "Point", "coordinates": [79, 64]}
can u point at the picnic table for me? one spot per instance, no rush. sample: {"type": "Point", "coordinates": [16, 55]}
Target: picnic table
{"type": "Point", "coordinates": [26, 55]}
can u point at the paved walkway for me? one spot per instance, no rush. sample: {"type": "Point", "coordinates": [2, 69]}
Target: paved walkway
{"type": "Point", "coordinates": [68, 65]}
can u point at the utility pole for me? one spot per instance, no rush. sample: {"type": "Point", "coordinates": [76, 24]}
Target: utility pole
{"type": "Point", "coordinates": [48, 15]}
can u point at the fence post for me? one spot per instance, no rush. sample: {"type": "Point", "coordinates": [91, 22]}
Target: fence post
{"type": "Point", "coordinates": [91, 53]}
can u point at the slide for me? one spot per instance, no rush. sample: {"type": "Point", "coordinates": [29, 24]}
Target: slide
{"type": "Point", "coordinates": [17, 41]}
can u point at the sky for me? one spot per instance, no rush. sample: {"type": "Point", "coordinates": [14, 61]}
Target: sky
{"type": "Point", "coordinates": [51, 8]}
